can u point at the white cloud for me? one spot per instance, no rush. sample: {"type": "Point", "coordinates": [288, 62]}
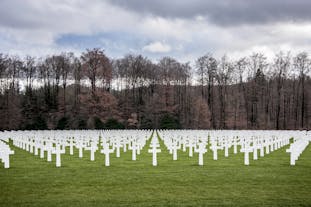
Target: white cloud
{"type": "Point", "coordinates": [157, 47]}
{"type": "Point", "coordinates": [32, 27]}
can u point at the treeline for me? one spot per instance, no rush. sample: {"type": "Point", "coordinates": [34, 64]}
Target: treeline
{"type": "Point", "coordinates": [93, 91]}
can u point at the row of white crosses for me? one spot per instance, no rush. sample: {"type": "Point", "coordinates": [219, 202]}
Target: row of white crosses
{"type": "Point", "coordinates": [176, 140]}
{"type": "Point", "coordinates": [297, 147]}
{"type": "Point", "coordinates": [251, 142]}
{"type": "Point", "coordinates": [5, 153]}
{"type": "Point", "coordinates": [133, 140]}
{"type": "Point", "coordinates": [265, 143]}
{"type": "Point", "coordinates": [56, 141]}
{"type": "Point", "coordinates": [35, 142]}
{"type": "Point", "coordinates": [196, 141]}
{"type": "Point", "coordinates": [245, 141]}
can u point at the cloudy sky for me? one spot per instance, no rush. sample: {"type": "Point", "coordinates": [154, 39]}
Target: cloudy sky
{"type": "Point", "coordinates": [182, 29]}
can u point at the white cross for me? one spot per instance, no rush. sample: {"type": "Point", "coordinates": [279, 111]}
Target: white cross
{"type": "Point", "coordinates": [42, 149]}
{"type": "Point", "coordinates": [247, 149]}
{"type": "Point", "coordinates": [138, 147]}
{"type": "Point", "coordinates": [175, 147]}
{"type": "Point", "coordinates": [106, 151]}
{"type": "Point", "coordinates": [124, 145]}
{"type": "Point", "coordinates": [58, 151]}
{"type": "Point", "coordinates": [214, 148]}
{"type": "Point", "coordinates": [201, 150]}
{"type": "Point", "coordinates": [293, 155]}
{"type": "Point", "coordinates": [255, 150]}
{"type": "Point", "coordinates": [267, 145]}
{"type": "Point", "coordinates": [80, 145]}
{"type": "Point", "coordinates": [154, 152]}
{"type": "Point", "coordinates": [36, 147]}
{"type": "Point", "coordinates": [5, 153]}
{"type": "Point", "coordinates": [71, 144]}
{"type": "Point", "coordinates": [184, 143]}
{"type": "Point", "coordinates": [227, 145]}
{"type": "Point", "coordinates": [191, 145]}
{"type": "Point", "coordinates": [117, 145]}
{"type": "Point", "coordinates": [30, 145]}
{"type": "Point", "coordinates": [92, 148]}
{"type": "Point", "coordinates": [49, 148]}
{"type": "Point", "coordinates": [235, 145]}
{"type": "Point", "coordinates": [262, 148]}
{"type": "Point", "coordinates": [133, 147]}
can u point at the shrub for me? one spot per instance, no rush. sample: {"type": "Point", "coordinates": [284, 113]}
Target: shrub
{"type": "Point", "coordinates": [113, 124]}
{"type": "Point", "coordinates": [98, 124]}
{"type": "Point", "coordinates": [63, 123]}
{"type": "Point", "coordinates": [169, 122]}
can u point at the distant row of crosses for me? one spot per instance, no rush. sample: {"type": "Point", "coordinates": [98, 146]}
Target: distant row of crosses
{"type": "Point", "coordinates": [112, 141]}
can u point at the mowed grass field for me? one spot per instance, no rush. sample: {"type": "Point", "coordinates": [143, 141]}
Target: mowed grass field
{"type": "Point", "coordinates": [269, 181]}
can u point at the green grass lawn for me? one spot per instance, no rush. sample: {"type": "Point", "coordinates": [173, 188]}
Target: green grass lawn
{"type": "Point", "coordinates": [269, 181]}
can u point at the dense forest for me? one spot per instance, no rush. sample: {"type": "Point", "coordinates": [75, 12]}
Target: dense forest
{"type": "Point", "coordinates": [95, 92]}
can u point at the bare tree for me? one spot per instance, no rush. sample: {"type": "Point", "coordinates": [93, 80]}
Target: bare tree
{"type": "Point", "coordinates": [281, 67]}
{"type": "Point", "coordinates": [76, 65]}
{"type": "Point", "coordinates": [223, 77]}
{"type": "Point", "coordinates": [208, 65]}
{"type": "Point", "coordinates": [96, 64]}
{"type": "Point", "coordinates": [302, 64]}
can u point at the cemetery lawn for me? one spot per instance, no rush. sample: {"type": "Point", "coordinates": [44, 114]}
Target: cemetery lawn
{"type": "Point", "coordinates": [269, 181]}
